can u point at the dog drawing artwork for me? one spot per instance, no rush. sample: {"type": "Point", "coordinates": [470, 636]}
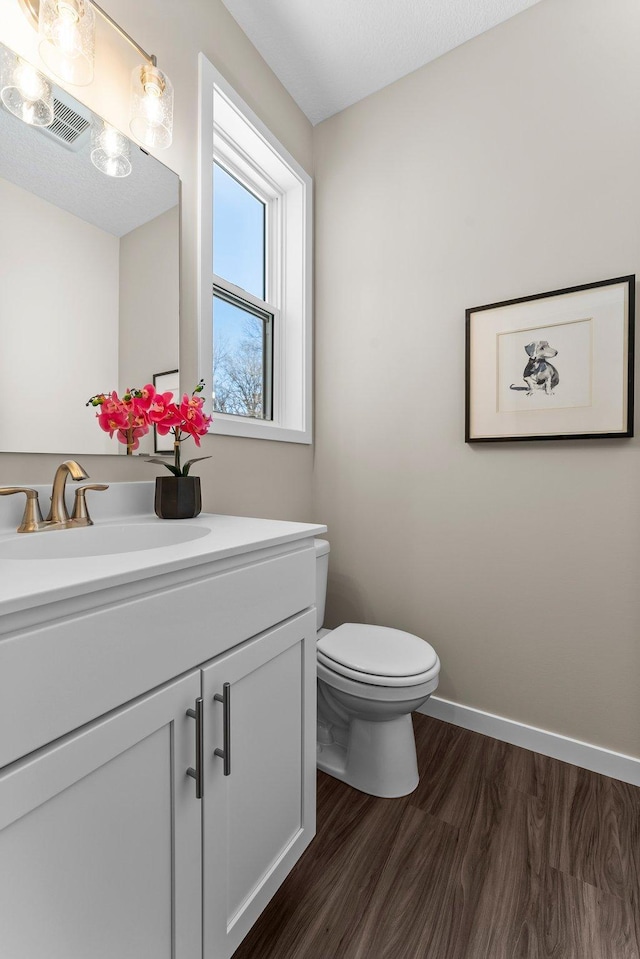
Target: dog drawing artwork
{"type": "Point", "coordinates": [539, 374]}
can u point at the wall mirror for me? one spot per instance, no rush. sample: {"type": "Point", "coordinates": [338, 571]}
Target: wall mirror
{"type": "Point", "coordinates": [89, 267]}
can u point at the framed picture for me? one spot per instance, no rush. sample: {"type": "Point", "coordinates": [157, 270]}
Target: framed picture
{"type": "Point", "coordinates": [164, 382]}
{"type": "Point", "coordinates": [554, 366]}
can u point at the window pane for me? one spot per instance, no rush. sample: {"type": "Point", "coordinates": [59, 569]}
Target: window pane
{"type": "Point", "coordinates": [239, 358]}
{"type": "Point", "coordinates": [238, 234]}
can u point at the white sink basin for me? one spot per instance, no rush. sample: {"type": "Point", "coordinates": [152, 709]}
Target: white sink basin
{"type": "Point", "coordinates": [98, 541]}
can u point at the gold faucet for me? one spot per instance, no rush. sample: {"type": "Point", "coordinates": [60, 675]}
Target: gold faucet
{"type": "Point", "coordinates": [32, 517]}
{"type": "Point", "coordinates": [58, 514]}
{"type": "Point", "coordinates": [58, 517]}
{"type": "Point", "coordinates": [80, 515]}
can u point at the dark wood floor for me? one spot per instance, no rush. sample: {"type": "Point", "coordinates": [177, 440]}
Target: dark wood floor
{"type": "Point", "coordinates": [499, 854]}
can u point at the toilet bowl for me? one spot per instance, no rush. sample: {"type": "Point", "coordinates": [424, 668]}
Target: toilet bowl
{"type": "Point", "coordinates": [370, 679]}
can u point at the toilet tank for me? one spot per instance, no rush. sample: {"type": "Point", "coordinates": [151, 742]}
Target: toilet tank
{"type": "Point", "coordinates": [322, 571]}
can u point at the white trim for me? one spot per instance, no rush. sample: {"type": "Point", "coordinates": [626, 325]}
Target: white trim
{"type": "Point", "coordinates": [293, 391]}
{"type": "Point", "coordinates": [205, 225]}
{"type": "Point", "coordinates": [240, 294]}
{"type": "Point", "coordinates": [595, 758]}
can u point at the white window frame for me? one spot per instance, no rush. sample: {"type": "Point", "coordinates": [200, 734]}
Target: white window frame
{"type": "Point", "coordinates": [245, 146]}
{"type": "Point", "coordinates": [254, 181]}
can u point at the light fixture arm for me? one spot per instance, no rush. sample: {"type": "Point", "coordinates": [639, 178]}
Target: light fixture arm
{"type": "Point", "coordinates": [149, 57]}
{"type": "Point", "coordinates": [32, 8]}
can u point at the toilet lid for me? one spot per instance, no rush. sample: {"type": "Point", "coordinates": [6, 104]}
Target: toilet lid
{"type": "Point", "coordinates": [376, 651]}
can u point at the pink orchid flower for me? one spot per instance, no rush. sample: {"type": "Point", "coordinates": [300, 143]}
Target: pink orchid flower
{"type": "Point", "coordinates": [131, 416]}
{"type": "Point", "coordinates": [171, 420]}
{"type": "Point", "coordinates": [112, 420]}
{"type": "Point", "coordinates": [131, 437]}
{"type": "Point", "coordinates": [111, 403]}
{"type": "Point", "coordinates": [158, 406]}
{"type": "Point", "coordinates": [146, 397]}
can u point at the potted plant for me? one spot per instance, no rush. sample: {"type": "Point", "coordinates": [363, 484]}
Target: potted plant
{"type": "Point", "coordinates": [131, 416]}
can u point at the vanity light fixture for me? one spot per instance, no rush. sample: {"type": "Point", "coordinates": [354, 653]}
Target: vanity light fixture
{"type": "Point", "coordinates": [151, 119]}
{"type": "Point", "coordinates": [67, 29]}
{"type": "Point", "coordinates": [110, 150]}
{"type": "Point", "coordinates": [24, 91]}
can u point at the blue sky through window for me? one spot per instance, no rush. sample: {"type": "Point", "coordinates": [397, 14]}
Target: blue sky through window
{"type": "Point", "coordinates": [238, 360]}
{"type": "Point", "coordinates": [229, 324]}
{"type": "Point", "coordinates": [238, 234]}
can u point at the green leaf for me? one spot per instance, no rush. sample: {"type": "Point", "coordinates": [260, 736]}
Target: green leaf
{"type": "Point", "coordinates": [163, 462]}
{"type": "Point", "coordinates": [187, 466]}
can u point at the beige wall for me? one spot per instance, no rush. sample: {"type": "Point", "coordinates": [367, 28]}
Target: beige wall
{"type": "Point", "coordinates": [58, 311]}
{"type": "Point", "coordinates": [508, 167]}
{"type": "Point", "coordinates": [243, 476]}
{"type": "Point", "coordinates": [149, 335]}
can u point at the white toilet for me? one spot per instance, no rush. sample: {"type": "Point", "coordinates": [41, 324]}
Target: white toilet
{"type": "Point", "coordinates": [370, 679]}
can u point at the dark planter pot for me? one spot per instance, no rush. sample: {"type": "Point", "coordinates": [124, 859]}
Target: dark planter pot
{"type": "Point", "coordinates": [178, 497]}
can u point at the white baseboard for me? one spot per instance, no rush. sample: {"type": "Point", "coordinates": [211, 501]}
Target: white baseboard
{"type": "Point", "coordinates": [595, 758]}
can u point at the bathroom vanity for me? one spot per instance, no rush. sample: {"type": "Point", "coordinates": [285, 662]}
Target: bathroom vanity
{"type": "Point", "coordinates": [157, 730]}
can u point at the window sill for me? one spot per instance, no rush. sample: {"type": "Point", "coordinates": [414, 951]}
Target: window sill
{"type": "Point", "coordinates": [226, 425]}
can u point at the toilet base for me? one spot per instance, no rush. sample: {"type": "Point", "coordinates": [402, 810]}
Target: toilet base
{"type": "Point", "coordinates": [379, 758]}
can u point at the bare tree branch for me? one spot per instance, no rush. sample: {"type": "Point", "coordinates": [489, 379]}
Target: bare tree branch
{"type": "Point", "coordinates": [238, 373]}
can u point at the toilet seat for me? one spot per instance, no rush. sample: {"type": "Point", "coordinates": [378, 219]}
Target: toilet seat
{"type": "Point", "coordinates": [378, 655]}
{"type": "Point", "coordinates": [376, 693]}
{"type": "Point", "coordinates": [374, 680]}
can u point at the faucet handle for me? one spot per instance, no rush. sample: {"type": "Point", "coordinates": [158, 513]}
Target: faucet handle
{"type": "Point", "coordinates": [80, 513]}
{"type": "Point", "coordinates": [32, 517]}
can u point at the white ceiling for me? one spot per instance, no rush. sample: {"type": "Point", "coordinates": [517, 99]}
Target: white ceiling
{"type": "Point", "coordinates": [332, 53]}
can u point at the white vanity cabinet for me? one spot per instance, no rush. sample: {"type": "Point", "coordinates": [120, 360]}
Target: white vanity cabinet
{"type": "Point", "coordinates": [100, 838]}
{"type": "Point", "coordinates": [257, 819]}
{"type": "Point", "coordinates": [105, 848]}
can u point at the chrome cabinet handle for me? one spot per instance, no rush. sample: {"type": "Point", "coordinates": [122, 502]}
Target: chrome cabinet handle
{"type": "Point", "coordinates": [197, 773]}
{"type": "Point", "coordinates": [225, 752]}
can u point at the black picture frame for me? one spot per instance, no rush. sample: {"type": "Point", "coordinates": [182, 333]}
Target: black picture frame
{"type": "Point", "coordinates": [168, 380]}
{"type": "Point", "coordinates": [580, 316]}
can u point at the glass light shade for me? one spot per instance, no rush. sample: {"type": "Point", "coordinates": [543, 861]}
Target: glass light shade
{"type": "Point", "coordinates": [151, 119]}
{"type": "Point", "coordinates": [24, 91]}
{"type": "Point", "coordinates": [68, 39]}
{"type": "Point", "coordinates": [110, 150]}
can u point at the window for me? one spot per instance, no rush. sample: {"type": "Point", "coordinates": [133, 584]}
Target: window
{"type": "Point", "coordinates": [242, 318]}
{"type": "Point", "coordinates": [255, 284]}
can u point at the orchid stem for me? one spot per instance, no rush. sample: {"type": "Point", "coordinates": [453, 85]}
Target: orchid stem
{"type": "Point", "coordinates": [176, 450]}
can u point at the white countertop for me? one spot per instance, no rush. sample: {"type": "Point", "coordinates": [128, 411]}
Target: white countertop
{"type": "Point", "coordinates": [35, 582]}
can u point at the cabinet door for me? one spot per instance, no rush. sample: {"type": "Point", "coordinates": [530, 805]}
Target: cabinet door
{"type": "Point", "coordinates": [258, 819]}
{"type": "Point", "coordinates": [100, 838]}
